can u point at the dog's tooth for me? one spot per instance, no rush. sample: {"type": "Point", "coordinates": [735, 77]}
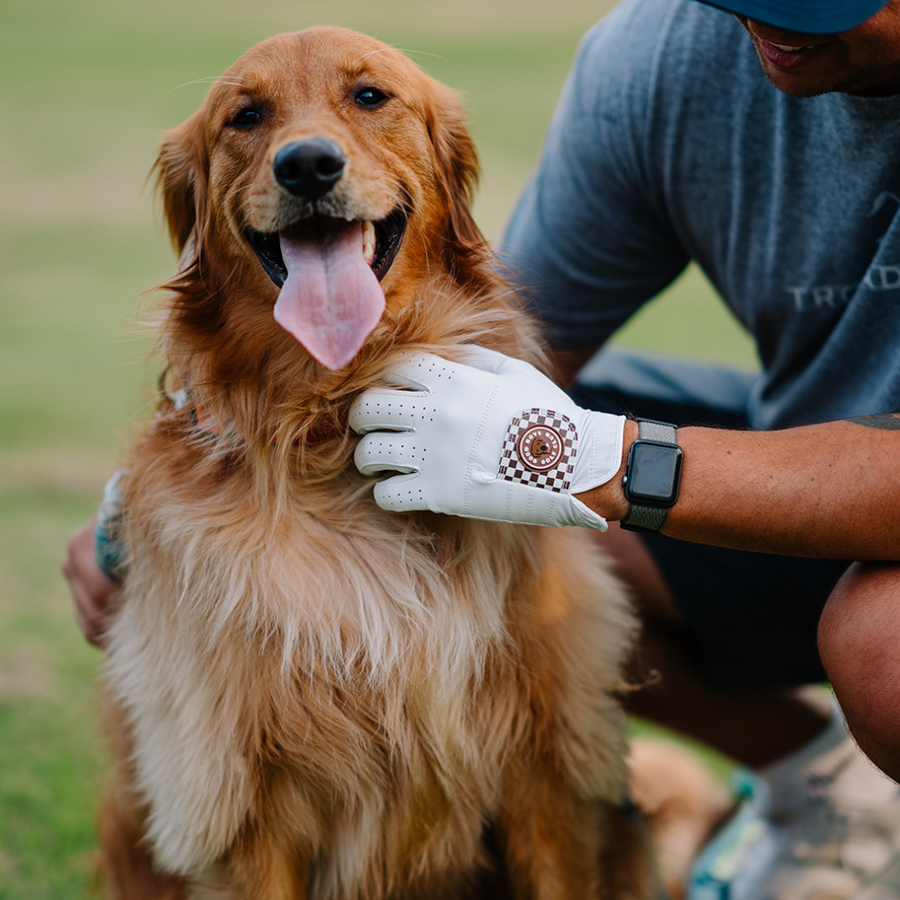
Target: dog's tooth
{"type": "Point", "coordinates": [369, 242]}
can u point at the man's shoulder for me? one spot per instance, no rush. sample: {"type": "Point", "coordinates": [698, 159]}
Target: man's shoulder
{"type": "Point", "coordinates": [668, 45]}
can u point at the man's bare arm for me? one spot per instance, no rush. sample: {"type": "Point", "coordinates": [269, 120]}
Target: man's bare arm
{"type": "Point", "coordinates": [830, 490]}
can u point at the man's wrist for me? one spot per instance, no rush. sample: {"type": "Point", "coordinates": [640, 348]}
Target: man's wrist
{"type": "Point", "coordinates": [608, 500]}
{"type": "Point", "coordinates": [652, 476]}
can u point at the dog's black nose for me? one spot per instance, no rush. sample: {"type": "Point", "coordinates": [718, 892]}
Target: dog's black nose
{"type": "Point", "coordinates": [310, 168]}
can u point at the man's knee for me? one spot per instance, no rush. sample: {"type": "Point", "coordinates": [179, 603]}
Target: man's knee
{"type": "Point", "coordinates": [859, 643]}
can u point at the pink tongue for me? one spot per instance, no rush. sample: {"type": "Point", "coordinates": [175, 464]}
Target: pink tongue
{"type": "Point", "coordinates": [331, 300]}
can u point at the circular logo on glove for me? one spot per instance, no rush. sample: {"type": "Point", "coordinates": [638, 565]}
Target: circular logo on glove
{"type": "Point", "coordinates": [540, 448]}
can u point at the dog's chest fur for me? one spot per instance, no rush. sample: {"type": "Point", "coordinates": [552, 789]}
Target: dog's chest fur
{"type": "Point", "coordinates": [349, 677]}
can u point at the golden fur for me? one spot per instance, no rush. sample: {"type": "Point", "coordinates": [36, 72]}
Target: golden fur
{"type": "Point", "coordinates": [308, 696]}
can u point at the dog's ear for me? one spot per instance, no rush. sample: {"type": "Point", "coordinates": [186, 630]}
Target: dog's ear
{"type": "Point", "coordinates": [457, 161]}
{"type": "Point", "coordinates": [181, 170]}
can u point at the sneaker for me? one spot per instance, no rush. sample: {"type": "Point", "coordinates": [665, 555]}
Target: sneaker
{"type": "Point", "coordinates": [829, 833]}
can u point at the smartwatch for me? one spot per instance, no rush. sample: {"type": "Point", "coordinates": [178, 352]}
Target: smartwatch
{"type": "Point", "coordinates": [652, 476]}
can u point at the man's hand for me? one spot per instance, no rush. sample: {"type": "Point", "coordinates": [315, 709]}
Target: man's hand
{"type": "Point", "coordinates": [493, 440]}
{"type": "Point", "coordinates": [95, 564]}
{"type": "Point", "coordinates": [94, 592]}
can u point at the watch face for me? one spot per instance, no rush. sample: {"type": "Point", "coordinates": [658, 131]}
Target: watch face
{"type": "Point", "coordinates": [653, 471]}
{"type": "Point", "coordinates": [540, 448]}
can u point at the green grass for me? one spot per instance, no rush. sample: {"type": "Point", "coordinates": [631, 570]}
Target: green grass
{"type": "Point", "coordinates": [50, 753]}
{"type": "Point", "coordinates": [85, 90]}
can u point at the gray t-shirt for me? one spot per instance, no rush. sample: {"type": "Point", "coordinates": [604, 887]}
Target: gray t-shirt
{"type": "Point", "coordinates": [669, 144]}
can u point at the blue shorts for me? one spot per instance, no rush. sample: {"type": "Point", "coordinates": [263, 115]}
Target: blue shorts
{"type": "Point", "coordinates": [752, 617]}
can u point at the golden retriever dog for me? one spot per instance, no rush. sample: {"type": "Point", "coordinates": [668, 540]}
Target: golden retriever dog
{"type": "Point", "coordinates": [309, 697]}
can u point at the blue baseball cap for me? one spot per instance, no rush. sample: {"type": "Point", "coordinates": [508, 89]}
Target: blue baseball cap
{"type": "Point", "coordinates": [806, 16]}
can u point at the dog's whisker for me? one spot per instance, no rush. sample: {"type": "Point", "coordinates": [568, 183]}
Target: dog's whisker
{"type": "Point", "coordinates": [409, 52]}
{"type": "Point", "coordinates": [376, 52]}
{"type": "Point", "coordinates": [209, 79]}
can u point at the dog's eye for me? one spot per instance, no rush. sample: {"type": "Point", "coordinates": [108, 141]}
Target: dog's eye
{"type": "Point", "coordinates": [370, 97]}
{"type": "Point", "coordinates": [246, 118]}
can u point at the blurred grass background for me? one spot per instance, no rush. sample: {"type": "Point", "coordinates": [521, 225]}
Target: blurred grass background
{"type": "Point", "coordinates": [85, 90]}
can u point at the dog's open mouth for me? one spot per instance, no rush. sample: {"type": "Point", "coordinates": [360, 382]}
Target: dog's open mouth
{"type": "Point", "coordinates": [381, 240]}
{"type": "Point", "coordinates": [329, 271]}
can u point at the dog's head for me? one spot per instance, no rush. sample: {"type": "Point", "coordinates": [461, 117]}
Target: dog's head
{"type": "Point", "coordinates": [323, 176]}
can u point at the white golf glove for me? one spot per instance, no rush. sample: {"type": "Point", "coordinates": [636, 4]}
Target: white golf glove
{"type": "Point", "coordinates": [492, 440]}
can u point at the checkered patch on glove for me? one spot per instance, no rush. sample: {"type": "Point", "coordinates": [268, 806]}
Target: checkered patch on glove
{"type": "Point", "coordinates": [539, 450]}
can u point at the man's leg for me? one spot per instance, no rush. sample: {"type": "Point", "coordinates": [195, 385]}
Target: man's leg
{"type": "Point", "coordinates": [755, 727]}
{"type": "Point", "coordinates": [732, 637]}
{"type": "Point", "coordinates": [859, 641]}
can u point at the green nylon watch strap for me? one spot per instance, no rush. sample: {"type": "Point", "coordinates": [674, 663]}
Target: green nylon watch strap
{"type": "Point", "coordinates": [649, 430]}
{"type": "Point", "coordinates": [649, 518]}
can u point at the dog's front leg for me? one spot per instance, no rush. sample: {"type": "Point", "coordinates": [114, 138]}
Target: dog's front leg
{"type": "Point", "coordinates": [262, 869]}
{"type": "Point", "coordinates": [560, 846]}
{"type": "Point", "coordinates": [551, 838]}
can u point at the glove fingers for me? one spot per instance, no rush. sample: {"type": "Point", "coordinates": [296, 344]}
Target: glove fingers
{"type": "Point", "coordinates": [417, 371]}
{"type": "Point", "coordinates": [485, 359]}
{"type": "Point", "coordinates": [422, 370]}
{"type": "Point", "coordinates": [499, 364]}
{"type": "Point", "coordinates": [387, 451]}
{"type": "Point", "coordinates": [386, 409]}
{"type": "Point", "coordinates": [400, 493]}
